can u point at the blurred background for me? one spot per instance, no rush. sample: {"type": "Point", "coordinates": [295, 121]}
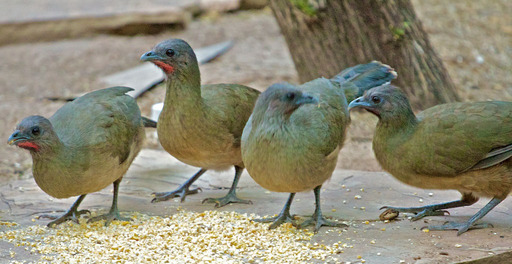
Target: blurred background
{"type": "Point", "coordinates": [53, 48]}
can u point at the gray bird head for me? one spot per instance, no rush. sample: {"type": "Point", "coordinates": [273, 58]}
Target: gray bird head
{"type": "Point", "coordinates": [171, 55]}
{"type": "Point", "coordinates": [284, 99]}
{"type": "Point", "coordinates": [386, 102]}
{"type": "Point", "coordinates": [33, 133]}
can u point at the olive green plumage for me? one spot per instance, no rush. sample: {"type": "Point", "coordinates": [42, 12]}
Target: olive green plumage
{"type": "Point", "coordinates": [292, 140]}
{"type": "Point", "coordinates": [461, 146]}
{"type": "Point", "coordinates": [200, 125]}
{"type": "Point", "coordinates": [86, 145]}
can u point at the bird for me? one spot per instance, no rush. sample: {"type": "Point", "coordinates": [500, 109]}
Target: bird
{"type": "Point", "coordinates": [200, 125]}
{"type": "Point", "coordinates": [83, 147]}
{"type": "Point", "coordinates": [295, 133]}
{"type": "Point", "coordinates": [464, 146]}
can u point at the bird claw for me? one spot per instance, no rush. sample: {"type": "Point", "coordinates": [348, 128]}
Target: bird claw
{"type": "Point", "coordinates": [181, 192]}
{"type": "Point", "coordinates": [419, 212]}
{"type": "Point", "coordinates": [277, 220]}
{"type": "Point", "coordinates": [229, 198]}
{"type": "Point", "coordinates": [428, 212]}
{"type": "Point", "coordinates": [460, 227]}
{"type": "Point", "coordinates": [319, 221]}
{"type": "Point", "coordinates": [68, 216]}
{"type": "Point", "coordinates": [109, 217]}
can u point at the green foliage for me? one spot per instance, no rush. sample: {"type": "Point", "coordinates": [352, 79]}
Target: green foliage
{"type": "Point", "coordinates": [399, 31]}
{"type": "Point", "coordinates": [305, 6]}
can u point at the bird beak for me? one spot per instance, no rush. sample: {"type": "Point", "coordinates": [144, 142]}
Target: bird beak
{"type": "Point", "coordinates": [359, 102]}
{"type": "Point", "coordinates": [16, 136]}
{"type": "Point", "coordinates": [306, 99]}
{"type": "Point", "coordinates": [149, 56]}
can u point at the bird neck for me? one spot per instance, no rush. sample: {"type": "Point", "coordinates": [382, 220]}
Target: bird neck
{"type": "Point", "coordinates": [49, 149]}
{"type": "Point", "coordinates": [184, 87]}
{"type": "Point", "coordinates": [400, 126]}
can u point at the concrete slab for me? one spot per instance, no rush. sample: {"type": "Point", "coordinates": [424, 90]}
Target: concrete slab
{"type": "Point", "coordinates": [375, 241]}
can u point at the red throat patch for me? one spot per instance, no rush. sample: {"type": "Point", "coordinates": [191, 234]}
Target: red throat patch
{"type": "Point", "coordinates": [164, 66]}
{"type": "Point", "coordinates": [28, 145]}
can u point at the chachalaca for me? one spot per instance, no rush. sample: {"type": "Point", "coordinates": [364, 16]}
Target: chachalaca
{"type": "Point", "coordinates": [292, 140]}
{"type": "Point", "coordinates": [461, 146]}
{"type": "Point", "coordinates": [86, 145]}
{"type": "Point", "coordinates": [200, 125]}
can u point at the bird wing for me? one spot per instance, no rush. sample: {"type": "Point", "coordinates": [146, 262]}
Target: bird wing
{"type": "Point", "coordinates": [226, 101]}
{"type": "Point", "coordinates": [463, 136]}
{"type": "Point", "coordinates": [329, 117]}
{"type": "Point", "coordinates": [105, 121]}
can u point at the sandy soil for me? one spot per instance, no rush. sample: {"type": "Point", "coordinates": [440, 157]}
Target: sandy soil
{"type": "Point", "coordinates": [473, 39]}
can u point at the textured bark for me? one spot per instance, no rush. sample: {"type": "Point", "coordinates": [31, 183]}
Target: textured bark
{"type": "Point", "coordinates": [326, 36]}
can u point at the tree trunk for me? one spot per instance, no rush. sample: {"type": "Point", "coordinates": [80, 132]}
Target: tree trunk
{"type": "Point", "coordinates": [326, 36]}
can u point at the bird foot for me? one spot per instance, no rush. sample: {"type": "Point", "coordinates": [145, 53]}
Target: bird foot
{"type": "Point", "coordinates": [460, 227]}
{"type": "Point", "coordinates": [319, 220]}
{"type": "Point", "coordinates": [277, 220]}
{"type": "Point", "coordinates": [181, 192]}
{"type": "Point", "coordinates": [229, 198]}
{"type": "Point", "coordinates": [419, 212]}
{"type": "Point", "coordinates": [109, 217]}
{"type": "Point", "coordinates": [68, 216]}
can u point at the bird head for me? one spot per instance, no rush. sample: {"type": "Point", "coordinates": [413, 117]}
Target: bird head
{"type": "Point", "coordinates": [284, 99]}
{"type": "Point", "coordinates": [386, 102]}
{"type": "Point", "coordinates": [32, 133]}
{"type": "Point", "coordinates": [170, 55]}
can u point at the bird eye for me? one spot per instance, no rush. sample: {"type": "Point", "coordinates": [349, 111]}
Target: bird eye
{"type": "Point", "coordinates": [290, 96]}
{"type": "Point", "coordinates": [375, 99]}
{"type": "Point", "coordinates": [35, 131]}
{"type": "Point", "coordinates": [170, 52]}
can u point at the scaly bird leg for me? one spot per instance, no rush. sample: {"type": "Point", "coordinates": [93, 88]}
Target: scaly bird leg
{"type": "Point", "coordinates": [113, 214]}
{"type": "Point", "coordinates": [231, 196]}
{"type": "Point", "coordinates": [181, 192]}
{"type": "Point", "coordinates": [470, 224]}
{"type": "Point", "coordinates": [317, 218]}
{"type": "Point", "coordinates": [71, 215]}
{"type": "Point", "coordinates": [283, 217]}
{"type": "Point", "coordinates": [435, 209]}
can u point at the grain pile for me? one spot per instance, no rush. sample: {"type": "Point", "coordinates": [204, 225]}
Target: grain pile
{"type": "Point", "coordinates": [186, 237]}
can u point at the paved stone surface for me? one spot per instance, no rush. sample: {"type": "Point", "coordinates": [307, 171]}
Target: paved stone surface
{"type": "Point", "coordinates": [155, 170]}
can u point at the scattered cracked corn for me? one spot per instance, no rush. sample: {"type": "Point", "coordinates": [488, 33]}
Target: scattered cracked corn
{"type": "Point", "coordinates": [334, 210]}
{"type": "Point", "coordinates": [458, 245]}
{"type": "Point", "coordinates": [426, 230]}
{"type": "Point", "coordinates": [357, 197]}
{"type": "Point", "coordinates": [383, 229]}
{"type": "Point", "coordinates": [366, 222]}
{"type": "Point", "coordinates": [210, 236]}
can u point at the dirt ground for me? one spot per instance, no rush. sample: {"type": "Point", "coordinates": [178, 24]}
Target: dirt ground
{"type": "Point", "coordinates": [473, 38]}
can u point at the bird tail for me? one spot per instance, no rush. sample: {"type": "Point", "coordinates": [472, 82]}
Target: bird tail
{"type": "Point", "coordinates": [358, 79]}
{"type": "Point", "coordinates": [148, 122]}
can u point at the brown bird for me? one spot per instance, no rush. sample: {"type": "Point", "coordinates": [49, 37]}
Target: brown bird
{"type": "Point", "coordinates": [85, 146]}
{"type": "Point", "coordinates": [292, 140]}
{"type": "Point", "coordinates": [461, 146]}
{"type": "Point", "coordinates": [200, 125]}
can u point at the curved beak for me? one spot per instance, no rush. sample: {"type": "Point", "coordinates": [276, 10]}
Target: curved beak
{"type": "Point", "coordinates": [306, 99]}
{"type": "Point", "coordinates": [16, 136]}
{"type": "Point", "coordinates": [149, 56]}
{"type": "Point", "coordinates": [358, 102]}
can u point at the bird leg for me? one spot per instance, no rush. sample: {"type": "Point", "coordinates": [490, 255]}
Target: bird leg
{"type": "Point", "coordinates": [182, 191]}
{"type": "Point", "coordinates": [435, 209]}
{"type": "Point", "coordinates": [113, 214]}
{"type": "Point", "coordinates": [231, 196]}
{"type": "Point", "coordinates": [71, 215]}
{"type": "Point", "coordinates": [283, 217]}
{"type": "Point", "coordinates": [317, 218]}
{"type": "Point", "coordinates": [470, 224]}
